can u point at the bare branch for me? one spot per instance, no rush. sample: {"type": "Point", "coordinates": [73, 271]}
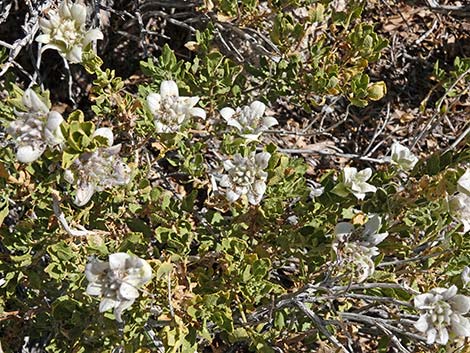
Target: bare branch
{"type": "Point", "coordinates": [318, 323]}
{"type": "Point", "coordinates": [82, 232]}
{"type": "Point", "coordinates": [461, 11]}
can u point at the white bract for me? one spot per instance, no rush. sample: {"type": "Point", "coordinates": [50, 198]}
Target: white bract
{"type": "Point", "coordinates": [117, 281]}
{"type": "Point", "coordinates": [249, 120]}
{"type": "Point", "coordinates": [463, 184]}
{"type": "Point", "coordinates": [36, 129]}
{"type": "Point", "coordinates": [355, 181]}
{"type": "Point", "coordinates": [246, 176]}
{"type": "Point", "coordinates": [465, 276]}
{"type": "Point", "coordinates": [169, 110]}
{"type": "Point", "coordinates": [65, 31]}
{"type": "Point", "coordinates": [316, 189]}
{"type": "Point", "coordinates": [356, 247]}
{"type": "Point", "coordinates": [459, 206]}
{"type": "Point", "coordinates": [442, 313]}
{"type": "Point", "coordinates": [402, 157]}
{"type": "Point", "coordinates": [97, 170]}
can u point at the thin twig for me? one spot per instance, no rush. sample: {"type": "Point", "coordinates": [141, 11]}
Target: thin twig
{"type": "Point", "coordinates": [438, 115]}
{"type": "Point", "coordinates": [377, 133]}
{"type": "Point", "coordinates": [37, 65]}
{"type": "Point", "coordinates": [449, 9]}
{"type": "Point", "coordinates": [328, 153]}
{"type": "Point", "coordinates": [170, 305]}
{"type": "Point", "coordinates": [30, 27]}
{"type": "Point", "coordinates": [142, 33]}
{"type": "Point", "coordinates": [412, 259]}
{"type": "Point", "coordinates": [317, 321]}
{"type": "Point", "coordinates": [308, 291]}
{"type": "Point", "coordinates": [82, 232]}
{"type": "Point", "coordinates": [363, 286]}
{"type": "Point", "coordinates": [157, 342]}
{"type": "Point", "coordinates": [373, 321]}
{"type": "Point", "coordinates": [459, 139]}
{"type": "Point", "coordinates": [67, 67]}
{"type": "Point", "coordinates": [427, 33]}
{"type": "Point", "coordinates": [393, 338]}
{"type": "Point", "coordinates": [6, 45]}
{"type": "Point", "coordinates": [361, 296]}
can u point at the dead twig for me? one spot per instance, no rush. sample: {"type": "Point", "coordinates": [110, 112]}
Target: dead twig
{"type": "Point", "coordinates": [369, 150]}
{"type": "Point", "coordinates": [427, 33]}
{"type": "Point", "coordinates": [375, 321]}
{"type": "Point", "coordinates": [30, 28]}
{"type": "Point", "coordinates": [459, 139]}
{"type": "Point", "coordinates": [329, 153]}
{"type": "Point", "coordinates": [81, 232]}
{"type": "Point", "coordinates": [318, 323]}
{"type": "Point", "coordinates": [438, 115]}
{"type": "Point", "coordinates": [461, 11]}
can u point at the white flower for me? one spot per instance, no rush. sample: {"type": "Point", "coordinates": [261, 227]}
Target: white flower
{"type": "Point", "coordinates": [459, 206]}
{"type": "Point", "coordinates": [463, 184]}
{"type": "Point", "coordinates": [465, 276]}
{"type": "Point", "coordinates": [356, 247]}
{"type": "Point", "coordinates": [249, 120]}
{"type": "Point", "coordinates": [97, 170]}
{"type": "Point", "coordinates": [65, 31]}
{"type": "Point", "coordinates": [316, 189]}
{"type": "Point", "coordinates": [170, 110]}
{"type": "Point", "coordinates": [442, 315]}
{"type": "Point", "coordinates": [293, 220]}
{"type": "Point", "coordinates": [117, 281]}
{"type": "Point", "coordinates": [35, 129]}
{"type": "Point", "coordinates": [370, 235]}
{"type": "Point", "coordinates": [355, 181]}
{"type": "Point", "coordinates": [246, 176]}
{"type": "Point", "coordinates": [402, 157]}
{"type": "Point", "coordinates": [358, 260]}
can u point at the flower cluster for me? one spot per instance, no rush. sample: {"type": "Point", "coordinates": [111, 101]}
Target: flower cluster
{"type": "Point", "coordinates": [249, 120]}
{"type": "Point", "coordinates": [117, 281]}
{"type": "Point", "coordinates": [97, 170]}
{"type": "Point", "coordinates": [246, 176]}
{"type": "Point", "coordinates": [402, 157]}
{"type": "Point", "coordinates": [65, 31]}
{"type": "Point", "coordinates": [169, 110]}
{"type": "Point", "coordinates": [355, 182]}
{"type": "Point", "coordinates": [442, 313]}
{"type": "Point", "coordinates": [36, 129]}
{"type": "Point", "coordinates": [356, 247]}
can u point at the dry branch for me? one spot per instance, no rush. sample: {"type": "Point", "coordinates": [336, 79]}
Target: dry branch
{"type": "Point", "coordinates": [460, 11]}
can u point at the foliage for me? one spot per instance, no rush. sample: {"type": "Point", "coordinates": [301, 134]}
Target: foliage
{"type": "Point", "coordinates": [260, 269]}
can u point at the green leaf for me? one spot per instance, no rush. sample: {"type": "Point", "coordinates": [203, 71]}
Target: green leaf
{"type": "Point", "coordinates": [91, 61]}
{"type": "Point", "coordinates": [247, 273]}
{"type": "Point", "coordinates": [164, 269]}
{"type": "Point", "coordinates": [340, 190]}
{"type": "Point", "coordinates": [68, 158]}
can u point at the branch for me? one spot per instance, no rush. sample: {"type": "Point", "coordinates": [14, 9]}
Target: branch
{"type": "Point", "coordinates": [82, 232]}
{"type": "Point", "coordinates": [328, 153]}
{"type": "Point", "coordinates": [461, 11]}
{"type": "Point", "coordinates": [375, 321]}
{"type": "Point", "coordinates": [30, 28]}
{"type": "Point", "coordinates": [318, 323]}
{"type": "Point", "coordinates": [309, 293]}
